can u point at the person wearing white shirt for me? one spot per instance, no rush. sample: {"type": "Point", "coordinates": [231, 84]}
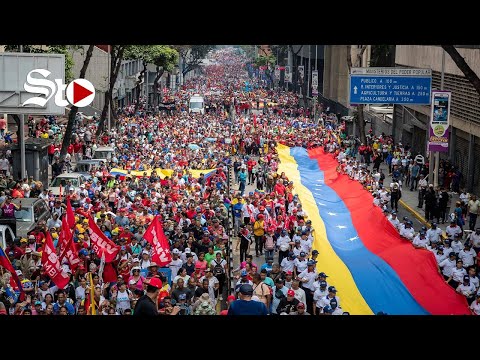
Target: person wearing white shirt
{"type": "Point", "coordinates": [457, 246]}
{"type": "Point", "coordinates": [448, 265]}
{"type": "Point", "coordinates": [332, 294]}
{"type": "Point", "coordinates": [299, 292]}
{"type": "Point", "coordinates": [475, 305]}
{"type": "Point", "coordinates": [458, 272]}
{"type": "Point", "coordinates": [176, 263]}
{"type": "Point", "coordinates": [439, 255]}
{"type": "Point", "coordinates": [300, 262]}
{"type": "Point", "coordinates": [394, 220]}
{"type": "Point", "coordinates": [434, 234]}
{"type": "Point", "coordinates": [306, 243]}
{"type": "Point", "coordinates": [420, 241]}
{"type": "Point", "coordinates": [183, 256]}
{"type": "Point", "coordinates": [464, 196]}
{"type": "Point", "coordinates": [467, 289]}
{"type": "Point", "coordinates": [453, 229]}
{"type": "Point", "coordinates": [288, 263]}
{"type": "Point", "coordinates": [407, 231]}
{"type": "Point", "coordinates": [475, 239]}
{"type": "Point", "coordinates": [473, 277]}
{"type": "Point", "coordinates": [468, 255]}
{"type": "Point", "coordinates": [320, 292]}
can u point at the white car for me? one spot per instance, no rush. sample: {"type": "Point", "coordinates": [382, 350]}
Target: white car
{"type": "Point", "coordinates": [63, 180]}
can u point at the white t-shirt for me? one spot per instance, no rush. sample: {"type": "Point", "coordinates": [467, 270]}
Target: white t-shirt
{"type": "Point", "coordinates": [466, 290]}
{"type": "Point", "coordinates": [300, 295]}
{"type": "Point", "coordinates": [475, 306]}
{"type": "Point", "coordinates": [174, 266]}
{"type": "Point", "coordinates": [457, 246]}
{"type": "Point", "coordinates": [310, 276]}
{"type": "Point", "coordinates": [287, 265]}
{"type": "Point", "coordinates": [451, 231]}
{"type": "Point", "coordinates": [447, 266]}
{"type": "Point", "coordinates": [326, 301]}
{"type": "Point", "coordinates": [418, 241]}
{"type": "Point", "coordinates": [475, 239]}
{"type": "Point", "coordinates": [468, 257]}
{"type": "Point", "coordinates": [433, 235]}
{"type": "Point", "coordinates": [458, 274]}
{"type": "Point", "coordinates": [123, 301]}
{"type": "Point", "coordinates": [301, 265]}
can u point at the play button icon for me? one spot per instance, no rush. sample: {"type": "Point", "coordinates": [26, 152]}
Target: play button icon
{"type": "Point", "coordinates": [80, 92]}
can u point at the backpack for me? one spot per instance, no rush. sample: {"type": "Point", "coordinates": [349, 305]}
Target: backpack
{"type": "Point", "coordinates": [269, 245]}
{"type": "Point", "coordinates": [218, 268]}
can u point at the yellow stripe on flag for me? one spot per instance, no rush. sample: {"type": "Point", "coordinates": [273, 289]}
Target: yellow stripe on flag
{"type": "Point", "coordinates": [338, 274]}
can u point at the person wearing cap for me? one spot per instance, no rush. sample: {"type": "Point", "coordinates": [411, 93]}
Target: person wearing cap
{"type": "Point", "coordinates": [453, 229]}
{"type": "Point", "coordinates": [458, 272]}
{"type": "Point", "coordinates": [420, 241]}
{"type": "Point", "coordinates": [279, 292]}
{"type": "Point", "coordinates": [467, 289]}
{"type": "Point", "coordinates": [268, 266]}
{"type": "Point", "coordinates": [320, 293]}
{"type": "Point", "coordinates": [434, 234]}
{"type": "Point", "coordinates": [288, 263]}
{"type": "Point", "coordinates": [288, 304]}
{"type": "Point", "coordinates": [456, 244]}
{"type": "Point", "coordinates": [300, 263]}
{"type": "Point", "coordinates": [314, 255]}
{"type": "Point", "coordinates": [299, 292]}
{"type": "Point", "coordinates": [407, 231]}
{"type": "Point", "coordinates": [300, 310]}
{"type": "Point", "coordinates": [147, 304]}
{"type": "Point", "coordinates": [8, 208]}
{"type": "Point", "coordinates": [394, 220]}
{"type": "Point", "coordinates": [332, 294]}
{"type": "Point", "coordinates": [244, 305]}
{"type": "Point", "coordinates": [283, 245]}
{"type": "Point", "coordinates": [467, 255]}
{"type": "Point", "coordinates": [176, 263]}
{"type": "Point", "coordinates": [259, 232]}
{"type": "Point", "coordinates": [307, 278]}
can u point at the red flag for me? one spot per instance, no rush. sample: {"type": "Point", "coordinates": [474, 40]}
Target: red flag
{"type": "Point", "coordinates": [67, 248]}
{"type": "Point", "coordinates": [70, 215]}
{"type": "Point", "coordinates": [100, 243]}
{"type": "Point", "coordinates": [5, 262]}
{"type": "Point", "coordinates": [155, 236]}
{"type": "Point", "coordinates": [51, 265]}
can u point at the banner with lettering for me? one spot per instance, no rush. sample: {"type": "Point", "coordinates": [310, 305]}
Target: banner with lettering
{"type": "Point", "coordinates": [100, 243]}
{"type": "Point", "coordinates": [51, 264]}
{"type": "Point", "coordinates": [161, 249]}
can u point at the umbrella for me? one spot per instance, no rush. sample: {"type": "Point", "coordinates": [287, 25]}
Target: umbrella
{"type": "Point", "coordinates": [193, 146]}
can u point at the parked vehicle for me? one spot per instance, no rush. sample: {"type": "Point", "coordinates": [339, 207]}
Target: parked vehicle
{"type": "Point", "coordinates": [74, 179]}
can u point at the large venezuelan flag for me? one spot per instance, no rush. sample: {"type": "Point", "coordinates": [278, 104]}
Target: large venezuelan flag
{"type": "Point", "coordinates": [371, 266]}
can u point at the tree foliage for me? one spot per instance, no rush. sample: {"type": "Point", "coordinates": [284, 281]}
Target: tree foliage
{"type": "Point", "coordinates": [193, 56]}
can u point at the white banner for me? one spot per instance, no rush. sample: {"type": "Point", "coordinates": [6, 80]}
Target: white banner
{"type": "Point", "coordinates": [288, 74]}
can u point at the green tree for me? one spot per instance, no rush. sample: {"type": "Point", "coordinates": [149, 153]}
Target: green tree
{"type": "Point", "coordinates": [269, 62]}
{"type": "Point", "coordinates": [165, 58]}
{"type": "Point", "coordinates": [67, 137]}
{"type": "Point", "coordinates": [193, 56]}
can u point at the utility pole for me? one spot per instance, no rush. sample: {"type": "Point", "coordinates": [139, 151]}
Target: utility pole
{"type": "Point", "coordinates": [109, 57]}
{"type": "Point", "coordinates": [436, 157]}
{"type": "Point", "coordinates": [21, 141]}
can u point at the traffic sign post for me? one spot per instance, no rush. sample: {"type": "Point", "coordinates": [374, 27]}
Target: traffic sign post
{"type": "Point", "coordinates": [390, 86]}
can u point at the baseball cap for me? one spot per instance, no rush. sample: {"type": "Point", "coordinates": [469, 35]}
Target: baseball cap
{"type": "Point", "coordinates": [246, 289]}
{"type": "Point", "coordinates": [323, 284]}
{"type": "Point", "coordinates": [182, 297]}
{"type": "Point", "coordinates": [244, 272]}
{"type": "Point", "coordinates": [332, 289]}
{"type": "Point", "coordinates": [322, 274]}
{"type": "Point", "coordinates": [155, 282]}
{"type": "Point", "coordinates": [466, 278]}
{"type": "Point", "coordinates": [289, 272]}
{"type": "Point", "coordinates": [314, 252]}
{"type": "Point", "coordinates": [230, 298]}
{"type": "Point", "coordinates": [187, 250]}
{"type": "Point", "coordinates": [28, 250]}
{"type": "Point", "coordinates": [327, 309]}
{"type": "Point", "coordinates": [301, 305]}
{"type": "Point", "coordinates": [31, 237]}
{"type": "Point", "coordinates": [290, 293]}
{"type": "Point", "coordinates": [302, 254]}
{"type": "Point", "coordinates": [310, 263]}
{"type": "Point", "coordinates": [38, 303]}
{"type": "Point", "coordinates": [269, 259]}
{"type": "Point", "coordinates": [19, 272]}
{"type": "Point", "coordinates": [175, 251]}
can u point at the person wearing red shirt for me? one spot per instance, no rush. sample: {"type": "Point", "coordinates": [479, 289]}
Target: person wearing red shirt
{"type": "Point", "coordinates": [250, 165]}
{"type": "Point", "coordinates": [70, 149]}
{"type": "Point", "coordinates": [78, 148]}
{"type": "Point", "coordinates": [51, 152]}
{"type": "Point", "coordinates": [279, 188]}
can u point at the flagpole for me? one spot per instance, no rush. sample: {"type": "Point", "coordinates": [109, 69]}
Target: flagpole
{"type": "Point", "coordinates": [92, 296]}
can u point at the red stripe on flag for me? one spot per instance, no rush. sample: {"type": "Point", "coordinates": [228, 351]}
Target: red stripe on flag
{"type": "Point", "coordinates": [417, 269]}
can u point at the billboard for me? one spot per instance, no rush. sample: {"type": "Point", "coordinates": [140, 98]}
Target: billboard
{"type": "Point", "coordinates": [14, 88]}
{"type": "Point", "coordinates": [438, 130]}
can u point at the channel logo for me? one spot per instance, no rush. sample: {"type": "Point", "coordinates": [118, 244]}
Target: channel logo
{"type": "Point", "coordinates": [80, 92]}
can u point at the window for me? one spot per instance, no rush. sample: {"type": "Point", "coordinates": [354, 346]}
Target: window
{"type": "Point", "coordinates": [24, 215]}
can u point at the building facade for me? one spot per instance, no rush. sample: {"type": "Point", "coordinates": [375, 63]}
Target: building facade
{"type": "Point", "coordinates": [410, 123]}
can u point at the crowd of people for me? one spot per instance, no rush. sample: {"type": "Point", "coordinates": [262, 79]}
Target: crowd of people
{"type": "Point", "coordinates": [194, 201]}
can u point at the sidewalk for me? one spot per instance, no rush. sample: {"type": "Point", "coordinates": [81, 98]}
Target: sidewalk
{"type": "Point", "coordinates": [409, 199]}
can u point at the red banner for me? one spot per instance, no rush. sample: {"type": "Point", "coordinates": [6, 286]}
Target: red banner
{"type": "Point", "coordinates": [155, 236]}
{"type": "Point", "coordinates": [70, 215]}
{"type": "Point", "coordinates": [51, 265]}
{"type": "Point", "coordinates": [100, 243]}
